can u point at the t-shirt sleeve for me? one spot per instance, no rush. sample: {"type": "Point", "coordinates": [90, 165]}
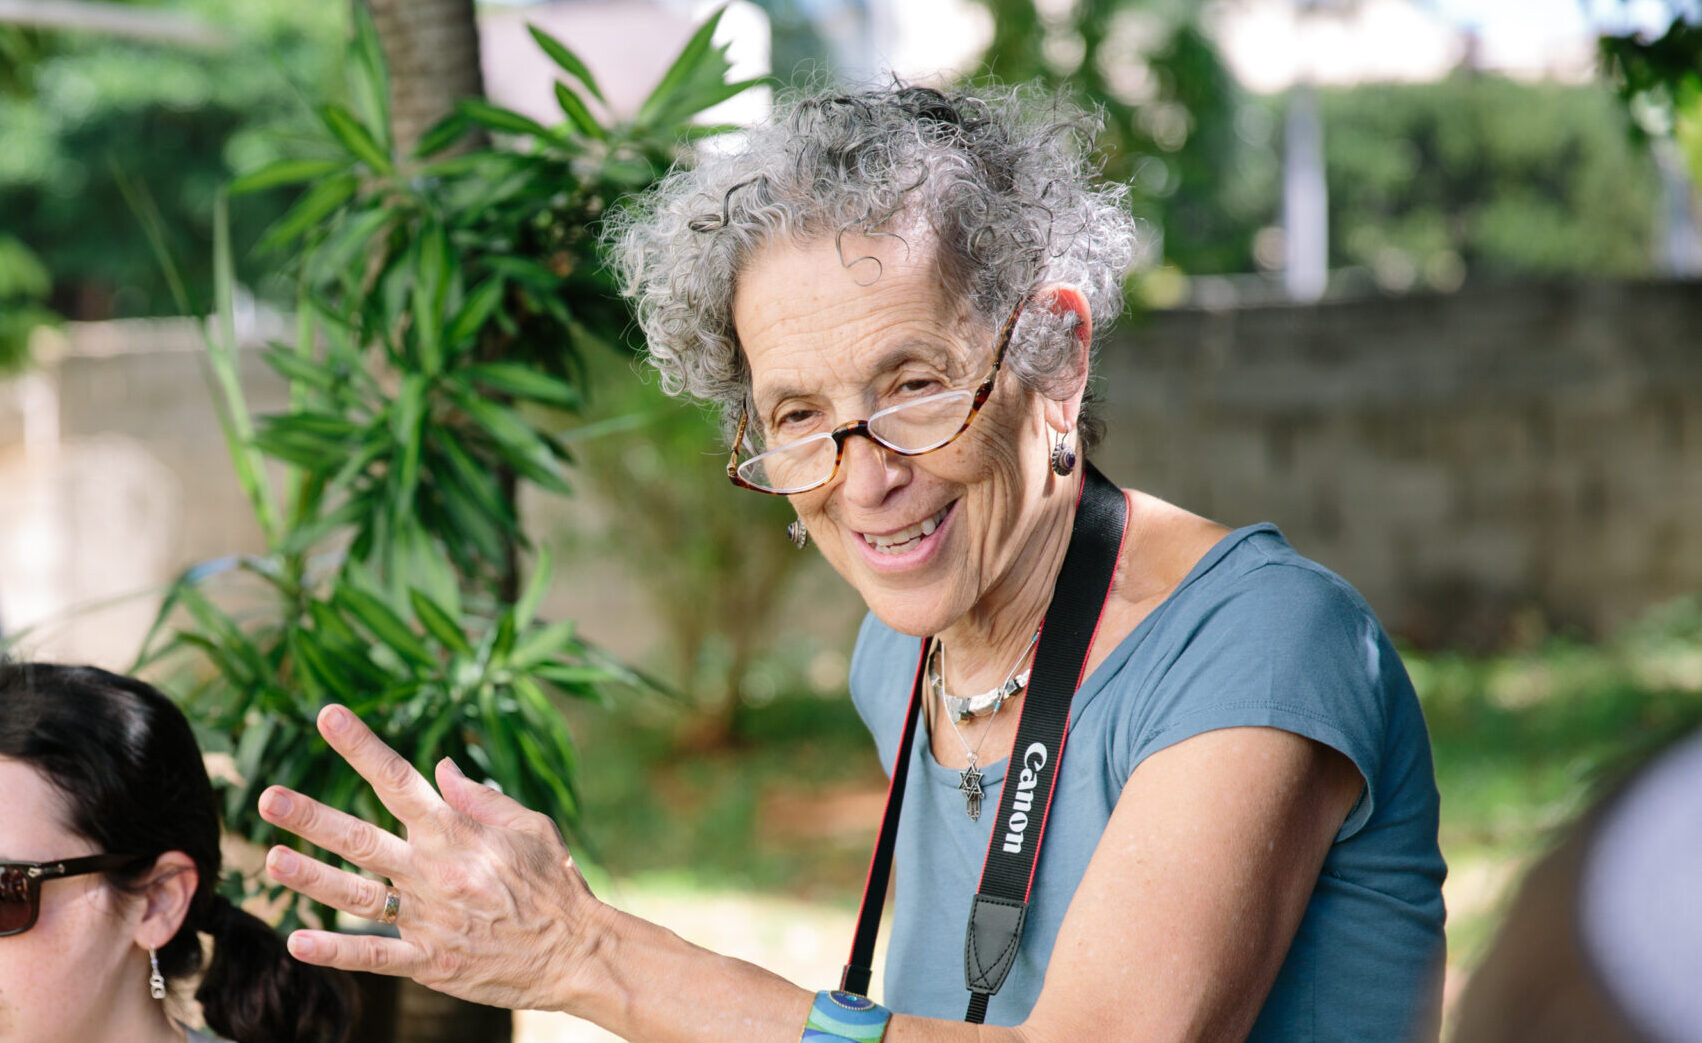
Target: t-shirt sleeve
{"type": "Point", "coordinates": [1290, 647]}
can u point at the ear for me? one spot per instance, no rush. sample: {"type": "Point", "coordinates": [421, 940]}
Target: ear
{"type": "Point", "coordinates": [1063, 406]}
{"type": "Point", "coordinates": [166, 897]}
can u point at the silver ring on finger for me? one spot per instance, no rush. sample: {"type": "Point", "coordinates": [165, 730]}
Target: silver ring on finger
{"type": "Point", "coordinates": [392, 906]}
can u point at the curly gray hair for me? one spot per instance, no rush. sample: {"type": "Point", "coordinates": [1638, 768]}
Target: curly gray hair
{"type": "Point", "coordinates": [1002, 179]}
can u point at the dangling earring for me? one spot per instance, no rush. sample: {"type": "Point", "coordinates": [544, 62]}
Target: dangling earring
{"type": "Point", "coordinates": [1063, 457]}
{"type": "Point", "coordinates": [797, 533]}
{"type": "Point", "coordinates": [156, 980]}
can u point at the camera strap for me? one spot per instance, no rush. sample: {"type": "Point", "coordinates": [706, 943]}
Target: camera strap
{"type": "Point", "coordinates": [1000, 906]}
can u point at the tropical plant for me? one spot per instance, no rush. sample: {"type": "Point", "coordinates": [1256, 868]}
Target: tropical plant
{"type": "Point", "coordinates": [445, 305]}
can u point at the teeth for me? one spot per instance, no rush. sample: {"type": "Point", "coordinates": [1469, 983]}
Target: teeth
{"type": "Point", "coordinates": [902, 540]}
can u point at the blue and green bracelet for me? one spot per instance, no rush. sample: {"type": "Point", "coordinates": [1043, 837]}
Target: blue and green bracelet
{"type": "Point", "coordinates": [843, 1017]}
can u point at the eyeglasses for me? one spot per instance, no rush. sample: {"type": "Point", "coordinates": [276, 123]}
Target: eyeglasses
{"type": "Point", "coordinates": [20, 885]}
{"type": "Point", "coordinates": [907, 429]}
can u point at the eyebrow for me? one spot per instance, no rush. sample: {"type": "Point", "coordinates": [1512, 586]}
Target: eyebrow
{"type": "Point", "coordinates": [886, 362]}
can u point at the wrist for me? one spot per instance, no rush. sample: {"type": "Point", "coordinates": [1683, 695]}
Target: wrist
{"type": "Point", "coordinates": [841, 1017]}
{"type": "Point", "coordinates": [587, 979]}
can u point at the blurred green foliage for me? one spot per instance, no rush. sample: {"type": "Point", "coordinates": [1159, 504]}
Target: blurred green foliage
{"type": "Point", "coordinates": [718, 589]}
{"type": "Point", "coordinates": [76, 106]}
{"type": "Point", "coordinates": [1178, 129]}
{"type": "Point", "coordinates": [24, 285]}
{"type": "Point", "coordinates": [1480, 176]}
{"type": "Point", "coordinates": [1660, 79]}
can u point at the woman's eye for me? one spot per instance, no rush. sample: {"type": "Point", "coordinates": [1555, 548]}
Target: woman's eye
{"type": "Point", "coordinates": [919, 385]}
{"type": "Point", "coordinates": [796, 420]}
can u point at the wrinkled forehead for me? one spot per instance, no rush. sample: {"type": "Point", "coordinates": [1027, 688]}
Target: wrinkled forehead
{"type": "Point", "coordinates": [839, 310]}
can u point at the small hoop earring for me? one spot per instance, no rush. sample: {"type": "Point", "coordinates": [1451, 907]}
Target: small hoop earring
{"type": "Point", "coordinates": [156, 980]}
{"type": "Point", "coordinates": [1063, 457]}
{"type": "Point", "coordinates": [796, 532]}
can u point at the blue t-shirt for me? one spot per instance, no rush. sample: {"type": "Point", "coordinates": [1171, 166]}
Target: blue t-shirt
{"type": "Point", "coordinates": [1254, 635]}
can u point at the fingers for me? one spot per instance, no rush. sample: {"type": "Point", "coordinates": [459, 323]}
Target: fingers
{"type": "Point", "coordinates": [401, 789]}
{"type": "Point", "coordinates": [360, 842]}
{"type": "Point", "coordinates": [352, 893]}
{"type": "Point", "coordinates": [482, 803]}
{"type": "Point", "coordinates": [356, 952]}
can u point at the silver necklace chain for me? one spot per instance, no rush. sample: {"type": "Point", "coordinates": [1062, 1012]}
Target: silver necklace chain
{"type": "Point", "coordinates": [969, 779]}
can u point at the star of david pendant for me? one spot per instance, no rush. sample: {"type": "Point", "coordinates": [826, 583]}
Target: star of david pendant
{"type": "Point", "coordinates": [969, 784]}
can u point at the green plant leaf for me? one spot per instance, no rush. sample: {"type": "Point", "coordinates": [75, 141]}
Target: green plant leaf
{"type": "Point", "coordinates": [356, 137]}
{"type": "Point", "coordinates": [384, 624]}
{"type": "Point", "coordinates": [285, 172]}
{"type": "Point", "coordinates": [695, 81]}
{"type": "Point", "coordinates": [526, 608]}
{"type": "Point", "coordinates": [479, 481]}
{"type": "Point", "coordinates": [541, 644]}
{"type": "Point", "coordinates": [573, 107]}
{"type": "Point", "coordinates": [482, 300]}
{"type": "Point", "coordinates": [369, 78]}
{"type": "Point", "coordinates": [406, 417]}
{"type": "Point", "coordinates": [507, 121]}
{"type": "Point", "coordinates": [351, 237]}
{"type": "Point", "coordinates": [324, 683]}
{"type": "Point", "coordinates": [522, 381]}
{"type": "Point", "coordinates": [444, 133]}
{"type": "Point", "coordinates": [569, 61]}
{"type": "Point", "coordinates": [292, 367]}
{"type": "Point", "coordinates": [304, 538]}
{"type": "Point", "coordinates": [433, 273]}
{"type": "Point", "coordinates": [522, 447]}
{"type": "Point", "coordinates": [439, 623]}
{"type": "Point", "coordinates": [319, 202]}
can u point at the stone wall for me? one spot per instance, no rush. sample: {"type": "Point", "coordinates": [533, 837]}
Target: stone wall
{"type": "Point", "coordinates": [1465, 459]}
{"type": "Point", "coordinates": [1468, 460]}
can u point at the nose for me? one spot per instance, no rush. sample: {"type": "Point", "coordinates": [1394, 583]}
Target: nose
{"type": "Point", "coordinates": [868, 473]}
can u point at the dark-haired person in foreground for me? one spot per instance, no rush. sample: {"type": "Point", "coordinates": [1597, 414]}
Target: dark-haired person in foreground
{"type": "Point", "coordinates": [109, 855]}
{"type": "Point", "coordinates": [893, 297]}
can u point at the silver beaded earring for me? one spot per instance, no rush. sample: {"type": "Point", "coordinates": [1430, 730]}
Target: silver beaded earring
{"type": "Point", "coordinates": [797, 533]}
{"type": "Point", "coordinates": [156, 980]}
{"type": "Point", "coordinates": [1063, 457]}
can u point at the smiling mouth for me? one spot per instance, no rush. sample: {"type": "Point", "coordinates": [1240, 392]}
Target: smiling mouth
{"type": "Point", "coordinates": [906, 539]}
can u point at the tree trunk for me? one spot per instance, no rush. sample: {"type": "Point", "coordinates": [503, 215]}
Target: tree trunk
{"type": "Point", "coordinates": [432, 47]}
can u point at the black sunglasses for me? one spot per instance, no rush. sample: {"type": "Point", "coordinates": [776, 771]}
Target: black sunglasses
{"type": "Point", "coordinates": [20, 885]}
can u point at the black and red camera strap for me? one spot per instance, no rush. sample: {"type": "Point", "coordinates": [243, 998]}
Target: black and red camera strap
{"type": "Point", "coordinates": [1000, 907]}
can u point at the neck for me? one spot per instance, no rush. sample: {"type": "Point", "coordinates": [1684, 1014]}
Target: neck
{"type": "Point", "coordinates": [983, 644]}
{"type": "Point", "coordinates": [133, 1017]}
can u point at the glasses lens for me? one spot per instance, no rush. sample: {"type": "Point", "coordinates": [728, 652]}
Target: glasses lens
{"type": "Point", "coordinates": [791, 468]}
{"type": "Point", "coordinates": [14, 900]}
{"type": "Point", "coordinates": [927, 423]}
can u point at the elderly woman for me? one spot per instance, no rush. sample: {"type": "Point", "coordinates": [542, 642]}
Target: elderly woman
{"type": "Point", "coordinates": [894, 296]}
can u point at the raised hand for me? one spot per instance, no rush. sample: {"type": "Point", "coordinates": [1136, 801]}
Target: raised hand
{"type": "Point", "coordinates": [489, 907]}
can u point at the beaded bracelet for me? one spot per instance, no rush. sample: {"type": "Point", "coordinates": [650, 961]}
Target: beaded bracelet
{"type": "Point", "coordinates": [841, 1017]}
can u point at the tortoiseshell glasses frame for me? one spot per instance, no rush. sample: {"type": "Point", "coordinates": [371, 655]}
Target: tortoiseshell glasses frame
{"type": "Point", "coordinates": [737, 471]}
